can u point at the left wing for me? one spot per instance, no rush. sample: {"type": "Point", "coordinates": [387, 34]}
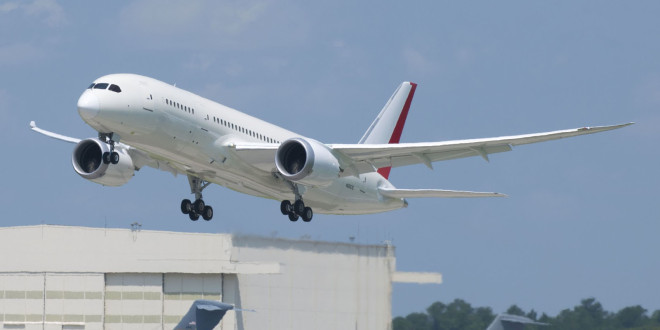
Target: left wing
{"type": "Point", "coordinates": [364, 158]}
{"type": "Point", "coordinates": [356, 159]}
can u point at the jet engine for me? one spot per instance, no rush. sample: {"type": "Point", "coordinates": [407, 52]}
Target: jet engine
{"type": "Point", "coordinates": [88, 162]}
{"type": "Point", "coordinates": [307, 161]}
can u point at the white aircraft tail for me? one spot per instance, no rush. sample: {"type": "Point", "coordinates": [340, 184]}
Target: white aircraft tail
{"type": "Point", "coordinates": [387, 127]}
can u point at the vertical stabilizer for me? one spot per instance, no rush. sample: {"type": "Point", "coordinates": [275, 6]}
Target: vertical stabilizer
{"type": "Point", "coordinates": [387, 127]}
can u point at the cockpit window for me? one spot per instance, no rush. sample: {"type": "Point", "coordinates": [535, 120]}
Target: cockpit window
{"type": "Point", "coordinates": [91, 86]}
{"type": "Point", "coordinates": [101, 86]}
{"type": "Point", "coordinates": [115, 88]}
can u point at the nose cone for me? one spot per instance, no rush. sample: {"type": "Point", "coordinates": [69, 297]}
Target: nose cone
{"type": "Point", "coordinates": [88, 106]}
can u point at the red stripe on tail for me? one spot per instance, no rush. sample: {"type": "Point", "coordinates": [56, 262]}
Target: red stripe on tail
{"type": "Point", "coordinates": [398, 129]}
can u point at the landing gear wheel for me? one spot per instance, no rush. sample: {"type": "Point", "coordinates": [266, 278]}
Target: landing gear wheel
{"type": "Point", "coordinates": [286, 207]}
{"type": "Point", "coordinates": [193, 216]}
{"type": "Point", "coordinates": [293, 217]}
{"type": "Point", "coordinates": [114, 157]}
{"type": "Point", "coordinates": [208, 213]}
{"type": "Point", "coordinates": [186, 206]}
{"type": "Point", "coordinates": [199, 206]}
{"type": "Point", "coordinates": [299, 207]}
{"type": "Point", "coordinates": [106, 158]}
{"type": "Point", "coordinates": [307, 214]}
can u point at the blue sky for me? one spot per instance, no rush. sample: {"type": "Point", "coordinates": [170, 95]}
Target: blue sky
{"type": "Point", "coordinates": [582, 219]}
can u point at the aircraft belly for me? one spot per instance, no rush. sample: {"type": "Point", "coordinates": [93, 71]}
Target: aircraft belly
{"type": "Point", "coordinates": [351, 195]}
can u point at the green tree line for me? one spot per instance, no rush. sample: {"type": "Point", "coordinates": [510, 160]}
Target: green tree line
{"type": "Point", "coordinates": [589, 314]}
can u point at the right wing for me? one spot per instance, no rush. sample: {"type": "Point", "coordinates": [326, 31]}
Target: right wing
{"type": "Point", "coordinates": [139, 157]}
{"type": "Point", "coordinates": [61, 137]}
{"type": "Point", "coordinates": [363, 158]}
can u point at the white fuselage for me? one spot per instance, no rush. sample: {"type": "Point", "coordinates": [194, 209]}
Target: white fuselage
{"type": "Point", "coordinates": [195, 136]}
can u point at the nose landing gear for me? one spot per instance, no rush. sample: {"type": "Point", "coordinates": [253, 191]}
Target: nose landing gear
{"type": "Point", "coordinates": [197, 208]}
{"type": "Point", "coordinates": [112, 156]}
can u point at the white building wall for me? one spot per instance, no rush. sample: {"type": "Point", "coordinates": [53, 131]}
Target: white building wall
{"type": "Point", "coordinates": [181, 290]}
{"type": "Point", "coordinates": [23, 298]}
{"type": "Point", "coordinates": [133, 301]}
{"type": "Point", "coordinates": [73, 299]}
{"type": "Point", "coordinates": [321, 285]}
{"type": "Point", "coordinates": [93, 278]}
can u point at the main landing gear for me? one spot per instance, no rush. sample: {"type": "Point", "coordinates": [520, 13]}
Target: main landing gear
{"type": "Point", "coordinates": [298, 208]}
{"type": "Point", "coordinates": [112, 156]}
{"type": "Point", "coordinates": [197, 208]}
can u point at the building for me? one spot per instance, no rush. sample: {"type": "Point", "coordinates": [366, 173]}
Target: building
{"type": "Point", "coordinates": [57, 277]}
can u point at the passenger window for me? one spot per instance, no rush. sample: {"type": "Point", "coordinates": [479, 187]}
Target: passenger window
{"type": "Point", "coordinates": [115, 88]}
{"type": "Point", "coordinates": [101, 86]}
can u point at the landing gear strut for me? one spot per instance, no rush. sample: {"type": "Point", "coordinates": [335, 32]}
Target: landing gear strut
{"type": "Point", "coordinates": [297, 209]}
{"type": "Point", "coordinates": [111, 139]}
{"type": "Point", "coordinates": [197, 208]}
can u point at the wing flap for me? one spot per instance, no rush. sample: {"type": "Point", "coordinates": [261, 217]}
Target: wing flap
{"type": "Point", "coordinates": [259, 155]}
{"type": "Point", "coordinates": [423, 193]}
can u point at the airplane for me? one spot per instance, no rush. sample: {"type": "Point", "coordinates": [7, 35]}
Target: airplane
{"type": "Point", "coordinates": [206, 314]}
{"type": "Point", "coordinates": [512, 322]}
{"type": "Point", "coordinates": [203, 315]}
{"type": "Point", "coordinates": [142, 122]}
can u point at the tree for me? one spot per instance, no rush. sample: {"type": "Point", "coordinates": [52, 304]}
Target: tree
{"type": "Point", "coordinates": [630, 317]}
{"type": "Point", "coordinates": [532, 315]}
{"type": "Point", "coordinates": [401, 323]}
{"type": "Point", "coordinates": [515, 310]}
{"type": "Point", "coordinates": [655, 318]}
{"type": "Point", "coordinates": [588, 315]}
{"type": "Point", "coordinates": [418, 321]}
{"type": "Point", "coordinates": [437, 312]}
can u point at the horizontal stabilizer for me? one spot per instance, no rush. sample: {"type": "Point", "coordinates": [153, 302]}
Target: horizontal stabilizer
{"type": "Point", "coordinates": [419, 193]}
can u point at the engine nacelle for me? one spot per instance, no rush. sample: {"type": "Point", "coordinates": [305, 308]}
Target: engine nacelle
{"type": "Point", "coordinates": [87, 160]}
{"type": "Point", "coordinates": [307, 161]}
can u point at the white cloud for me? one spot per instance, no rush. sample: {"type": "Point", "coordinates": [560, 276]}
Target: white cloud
{"type": "Point", "coordinates": [464, 56]}
{"type": "Point", "coordinates": [8, 7]}
{"type": "Point", "coordinates": [199, 62]}
{"type": "Point", "coordinates": [648, 92]}
{"type": "Point", "coordinates": [416, 62]}
{"type": "Point", "coordinates": [19, 53]}
{"type": "Point", "coordinates": [187, 25]}
{"type": "Point", "coordinates": [342, 49]}
{"type": "Point", "coordinates": [48, 11]}
{"type": "Point", "coordinates": [4, 105]}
